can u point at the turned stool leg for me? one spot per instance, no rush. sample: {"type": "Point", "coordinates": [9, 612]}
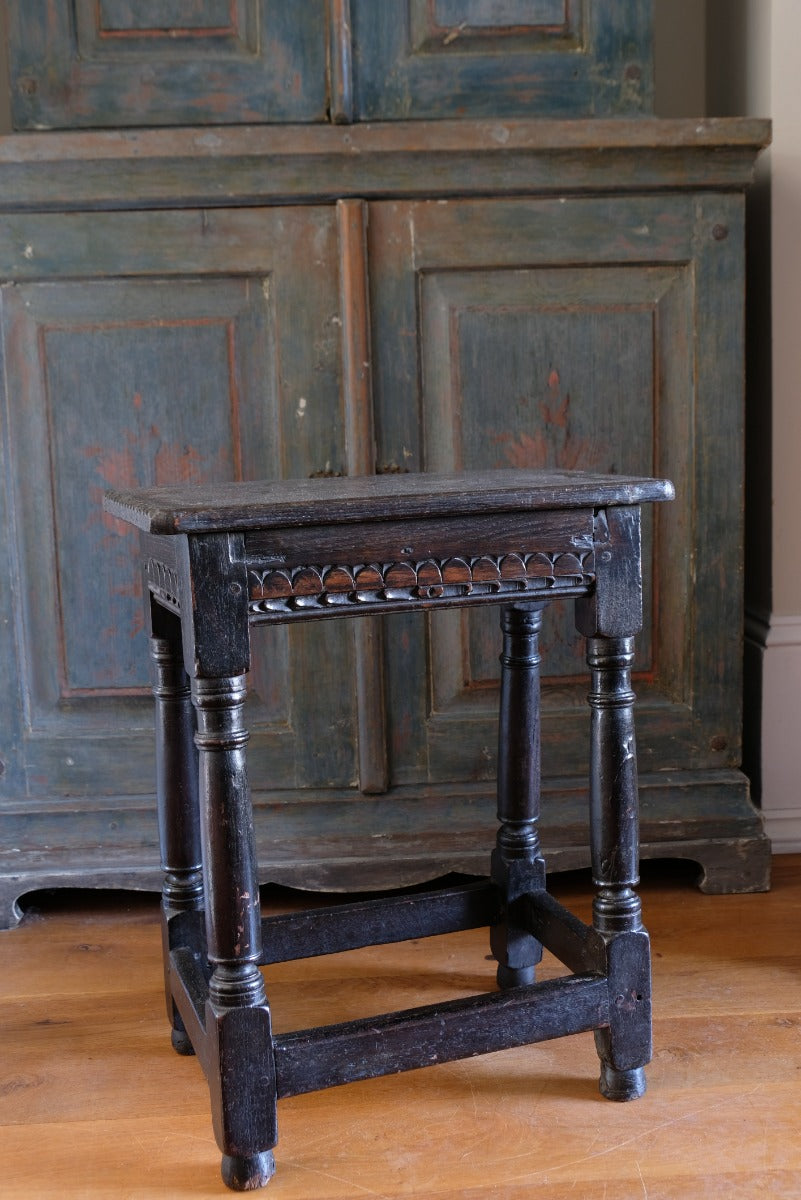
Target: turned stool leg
{"type": "Point", "coordinates": [176, 792]}
{"type": "Point", "coordinates": [517, 865]}
{"type": "Point", "coordinates": [241, 1064]}
{"type": "Point", "coordinates": [625, 1046]}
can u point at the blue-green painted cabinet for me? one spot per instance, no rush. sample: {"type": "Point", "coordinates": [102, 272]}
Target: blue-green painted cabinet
{"type": "Point", "coordinates": [182, 308]}
{"type": "Point", "coordinates": [118, 63]}
{"type": "Point", "coordinates": [374, 244]}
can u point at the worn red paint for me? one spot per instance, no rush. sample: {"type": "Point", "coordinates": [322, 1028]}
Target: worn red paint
{"type": "Point", "coordinates": [553, 443]}
{"type": "Point", "coordinates": [143, 456]}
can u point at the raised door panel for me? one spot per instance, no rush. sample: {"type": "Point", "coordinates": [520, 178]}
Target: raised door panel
{"type": "Point", "coordinates": [106, 63]}
{"type": "Point", "coordinates": [496, 58]}
{"type": "Point", "coordinates": [162, 347]}
{"type": "Point", "coordinates": [583, 333]}
{"type": "Point", "coordinates": [116, 63]}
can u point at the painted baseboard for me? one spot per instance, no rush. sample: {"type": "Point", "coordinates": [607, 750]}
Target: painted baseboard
{"type": "Point", "coordinates": [776, 641]}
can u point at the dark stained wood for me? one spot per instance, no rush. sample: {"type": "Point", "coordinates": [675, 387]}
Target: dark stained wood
{"type": "Point", "coordinates": [215, 628]}
{"type": "Point", "coordinates": [625, 1043]}
{"type": "Point", "coordinates": [421, 538]}
{"type": "Point", "coordinates": [177, 791]}
{"type": "Point", "coordinates": [231, 899]}
{"type": "Point", "coordinates": [268, 505]}
{"type": "Point", "coordinates": [378, 922]}
{"type": "Point", "coordinates": [421, 1037]}
{"type": "Point", "coordinates": [518, 867]}
{"type": "Point", "coordinates": [217, 1000]}
{"type": "Point", "coordinates": [237, 1020]}
{"type": "Point", "coordinates": [578, 946]}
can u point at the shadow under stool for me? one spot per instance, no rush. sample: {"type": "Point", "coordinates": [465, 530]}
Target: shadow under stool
{"type": "Point", "coordinates": [219, 559]}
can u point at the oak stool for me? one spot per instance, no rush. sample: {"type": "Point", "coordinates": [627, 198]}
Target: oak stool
{"type": "Point", "coordinates": [219, 559]}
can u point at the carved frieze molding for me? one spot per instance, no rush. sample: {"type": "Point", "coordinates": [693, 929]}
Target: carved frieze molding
{"type": "Point", "coordinates": [162, 580]}
{"type": "Point", "coordinates": [458, 579]}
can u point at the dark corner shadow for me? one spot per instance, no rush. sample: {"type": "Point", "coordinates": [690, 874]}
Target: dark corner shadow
{"type": "Point", "coordinates": [87, 903]}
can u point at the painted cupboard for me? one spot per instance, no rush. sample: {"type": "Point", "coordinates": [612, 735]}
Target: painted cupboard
{"type": "Point", "coordinates": [119, 63]}
{"type": "Point", "coordinates": [281, 288]}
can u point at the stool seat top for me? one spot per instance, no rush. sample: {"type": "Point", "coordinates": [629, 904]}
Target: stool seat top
{"type": "Point", "coordinates": [271, 504]}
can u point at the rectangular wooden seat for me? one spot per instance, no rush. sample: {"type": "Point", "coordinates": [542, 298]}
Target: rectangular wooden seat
{"type": "Point", "coordinates": [221, 559]}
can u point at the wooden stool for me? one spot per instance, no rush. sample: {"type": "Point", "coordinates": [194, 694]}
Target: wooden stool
{"type": "Point", "coordinates": [219, 559]}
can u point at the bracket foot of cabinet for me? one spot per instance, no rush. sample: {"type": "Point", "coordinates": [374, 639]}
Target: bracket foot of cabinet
{"type": "Point", "coordinates": [708, 820]}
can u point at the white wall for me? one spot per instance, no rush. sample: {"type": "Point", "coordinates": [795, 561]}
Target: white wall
{"type": "Point", "coordinates": [781, 655]}
{"type": "Point", "coordinates": [754, 69]}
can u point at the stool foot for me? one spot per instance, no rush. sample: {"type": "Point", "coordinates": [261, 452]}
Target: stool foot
{"type": "Point", "coordinates": [622, 1085]}
{"type": "Point", "coordinates": [181, 1043]}
{"type": "Point", "coordinates": [247, 1174]}
{"type": "Point", "coordinates": [512, 977]}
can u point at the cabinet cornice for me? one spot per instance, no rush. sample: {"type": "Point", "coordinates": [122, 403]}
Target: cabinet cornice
{"type": "Point", "coordinates": [296, 164]}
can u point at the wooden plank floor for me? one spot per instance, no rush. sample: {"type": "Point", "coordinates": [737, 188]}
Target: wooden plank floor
{"type": "Point", "coordinates": [94, 1103]}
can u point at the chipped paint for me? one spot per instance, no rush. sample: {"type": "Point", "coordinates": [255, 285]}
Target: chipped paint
{"type": "Point", "coordinates": [453, 34]}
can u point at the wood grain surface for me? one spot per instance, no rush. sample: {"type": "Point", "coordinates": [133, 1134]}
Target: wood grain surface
{"type": "Point", "coordinates": [94, 1103]}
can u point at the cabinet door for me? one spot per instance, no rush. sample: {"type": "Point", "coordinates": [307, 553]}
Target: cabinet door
{"type": "Point", "coordinates": [598, 333]}
{"type": "Point", "coordinates": [143, 348]}
{"type": "Point", "coordinates": [500, 58]}
{"type": "Point", "coordinates": [113, 63]}
{"type": "Point", "coordinates": [106, 63]}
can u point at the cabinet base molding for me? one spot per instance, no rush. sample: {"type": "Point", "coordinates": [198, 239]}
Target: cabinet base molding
{"type": "Point", "coordinates": [419, 835]}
